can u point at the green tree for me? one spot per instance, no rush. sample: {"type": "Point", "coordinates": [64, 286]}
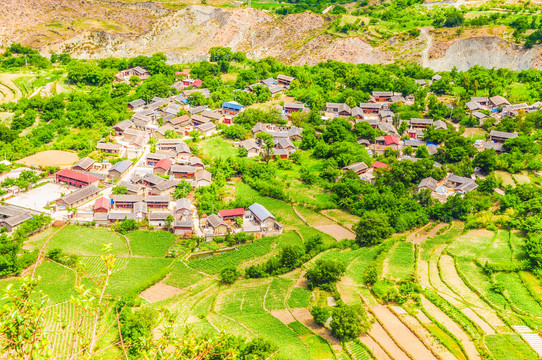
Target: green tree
{"type": "Point", "coordinates": [349, 322]}
{"type": "Point", "coordinates": [486, 160]}
{"type": "Point", "coordinates": [229, 274]}
{"type": "Point", "coordinates": [268, 144]}
{"type": "Point", "coordinates": [119, 190]}
{"type": "Point", "coordinates": [372, 228]}
{"type": "Point", "coordinates": [325, 273]}
{"type": "Point", "coordinates": [320, 314]}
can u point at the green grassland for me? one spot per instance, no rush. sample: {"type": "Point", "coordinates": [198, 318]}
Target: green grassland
{"type": "Point", "coordinates": [401, 261]}
{"type": "Point", "coordinates": [150, 243]}
{"type": "Point", "coordinates": [81, 240]}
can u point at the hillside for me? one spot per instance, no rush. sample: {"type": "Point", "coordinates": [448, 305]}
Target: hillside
{"type": "Point", "coordinates": [99, 28]}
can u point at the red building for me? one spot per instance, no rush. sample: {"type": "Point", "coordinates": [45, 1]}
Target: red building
{"type": "Point", "coordinates": [231, 214]}
{"type": "Point", "coordinates": [102, 205]}
{"type": "Point", "coordinates": [76, 178]}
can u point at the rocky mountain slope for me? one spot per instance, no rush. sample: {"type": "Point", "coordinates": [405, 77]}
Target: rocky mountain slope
{"type": "Point", "coordinates": [100, 28]}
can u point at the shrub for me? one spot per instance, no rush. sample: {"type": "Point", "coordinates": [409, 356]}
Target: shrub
{"type": "Point", "coordinates": [320, 314]}
{"type": "Point", "coordinates": [229, 274]}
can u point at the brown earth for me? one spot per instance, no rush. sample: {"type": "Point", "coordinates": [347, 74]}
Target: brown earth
{"type": "Point", "coordinates": [50, 158]}
{"type": "Point", "coordinates": [336, 231]}
{"type": "Point", "coordinates": [285, 316]}
{"type": "Point", "coordinates": [158, 292]}
{"type": "Point", "coordinates": [304, 316]}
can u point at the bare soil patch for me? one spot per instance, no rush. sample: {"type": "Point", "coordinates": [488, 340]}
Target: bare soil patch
{"type": "Point", "coordinates": [375, 348]}
{"type": "Point", "coordinates": [285, 316]}
{"type": "Point", "coordinates": [401, 333]}
{"type": "Point", "coordinates": [159, 292]}
{"type": "Point", "coordinates": [336, 231]}
{"type": "Point", "coordinates": [380, 335]}
{"type": "Point", "coordinates": [51, 158]}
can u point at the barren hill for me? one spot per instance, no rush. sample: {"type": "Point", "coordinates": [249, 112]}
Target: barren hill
{"type": "Point", "coordinates": [100, 28]}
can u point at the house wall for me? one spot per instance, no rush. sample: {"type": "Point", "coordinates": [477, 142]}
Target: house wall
{"type": "Point", "coordinates": [221, 230]}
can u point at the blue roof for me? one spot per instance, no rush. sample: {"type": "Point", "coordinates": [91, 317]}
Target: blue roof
{"type": "Point", "coordinates": [121, 166]}
{"type": "Point", "coordinates": [232, 105]}
{"type": "Point", "coordinates": [260, 211]}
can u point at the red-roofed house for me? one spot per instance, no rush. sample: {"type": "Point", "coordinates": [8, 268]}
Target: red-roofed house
{"type": "Point", "coordinates": [102, 205]}
{"type": "Point", "coordinates": [231, 214]}
{"type": "Point", "coordinates": [162, 166]}
{"type": "Point", "coordinates": [76, 178]}
{"type": "Point", "coordinates": [380, 165]}
{"type": "Point", "coordinates": [197, 83]}
{"type": "Point", "coordinates": [391, 140]}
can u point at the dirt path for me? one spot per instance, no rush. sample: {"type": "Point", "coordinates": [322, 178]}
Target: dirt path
{"type": "Point", "coordinates": [423, 334]}
{"type": "Point", "coordinates": [452, 327]}
{"type": "Point", "coordinates": [377, 351]}
{"type": "Point", "coordinates": [426, 36]}
{"type": "Point", "coordinates": [380, 336]}
{"type": "Point", "coordinates": [421, 235]}
{"type": "Point", "coordinates": [402, 334]}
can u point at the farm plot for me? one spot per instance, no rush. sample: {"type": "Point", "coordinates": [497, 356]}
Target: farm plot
{"type": "Point", "coordinates": [427, 247]}
{"type": "Point", "coordinates": [518, 294]}
{"type": "Point", "coordinates": [94, 266]}
{"type": "Point", "coordinates": [158, 292]}
{"type": "Point", "coordinates": [307, 232]}
{"type": "Point", "coordinates": [299, 298]}
{"type": "Point", "coordinates": [245, 297]}
{"type": "Point", "coordinates": [150, 243]}
{"type": "Point", "coordinates": [471, 244]}
{"type": "Point", "coordinates": [498, 252]}
{"type": "Point", "coordinates": [213, 265]}
{"type": "Point", "coordinates": [452, 327]}
{"type": "Point", "coordinates": [422, 333]}
{"type": "Point", "coordinates": [56, 281]}
{"type": "Point", "coordinates": [454, 281]}
{"type": "Point", "coordinates": [289, 238]}
{"type": "Point", "coordinates": [275, 298]}
{"type": "Point", "coordinates": [138, 274]}
{"type": "Point", "coordinates": [476, 278]}
{"type": "Point", "coordinates": [443, 337]}
{"type": "Point", "coordinates": [62, 323]}
{"type": "Point", "coordinates": [509, 347]}
{"type": "Point", "coordinates": [383, 339]}
{"type": "Point", "coordinates": [400, 261]}
{"type": "Point", "coordinates": [342, 218]}
{"type": "Point", "coordinates": [358, 352]}
{"type": "Point", "coordinates": [357, 267]}
{"type": "Point", "coordinates": [182, 276]}
{"type": "Point", "coordinates": [82, 240]}
{"type": "Point", "coordinates": [401, 333]}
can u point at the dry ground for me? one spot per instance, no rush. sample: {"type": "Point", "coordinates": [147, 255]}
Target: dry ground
{"type": "Point", "coordinates": [158, 292]}
{"type": "Point", "coordinates": [51, 158]}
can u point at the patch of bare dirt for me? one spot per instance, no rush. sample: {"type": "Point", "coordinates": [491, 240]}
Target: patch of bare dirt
{"type": "Point", "coordinates": [336, 231]}
{"type": "Point", "coordinates": [50, 158]}
{"type": "Point", "coordinates": [285, 316]}
{"type": "Point", "coordinates": [159, 292]}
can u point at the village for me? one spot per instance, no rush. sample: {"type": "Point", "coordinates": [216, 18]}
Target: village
{"type": "Point", "coordinates": [145, 158]}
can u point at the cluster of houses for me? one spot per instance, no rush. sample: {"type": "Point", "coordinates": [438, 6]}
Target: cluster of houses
{"type": "Point", "coordinates": [125, 75]}
{"type": "Point", "coordinates": [449, 186]}
{"type": "Point", "coordinates": [275, 86]}
{"type": "Point", "coordinates": [11, 217]}
{"type": "Point", "coordinates": [254, 220]}
{"type": "Point", "coordinates": [282, 139]}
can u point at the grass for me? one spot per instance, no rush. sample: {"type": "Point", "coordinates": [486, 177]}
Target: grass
{"type": "Point", "coordinates": [357, 267]}
{"type": "Point", "coordinates": [401, 261]}
{"type": "Point", "coordinates": [299, 328]}
{"type": "Point", "coordinates": [498, 252]}
{"type": "Point", "coordinates": [81, 240]}
{"type": "Point", "coordinates": [299, 298]}
{"type": "Point", "coordinates": [214, 264]}
{"type": "Point", "coordinates": [272, 329]}
{"type": "Point", "coordinates": [318, 347]}
{"type": "Point", "coordinates": [472, 244]}
{"type": "Point", "coordinates": [343, 218]}
{"type": "Point", "coordinates": [216, 147]}
{"type": "Point", "coordinates": [138, 274]}
{"type": "Point", "coordinates": [307, 232]}
{"type": "Point", "coordinates": [245, 297]}
{"type": "Point", "coordinates": [150, 243]}
{"type": "Point", "coordinates": [276, 295]}
{"type": "Point", "coordinates": [518, 294]}
{"type": "Point", "coordinates": [56, 281]}
{"type": "Point", "coordinates": [36, 241]}
{"type": "Point", "coordinates": [289, 238]}
{"type": "Point", "coordinates": [182, 276]}
{"type": "Point", "coordinates": [509, 347]}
